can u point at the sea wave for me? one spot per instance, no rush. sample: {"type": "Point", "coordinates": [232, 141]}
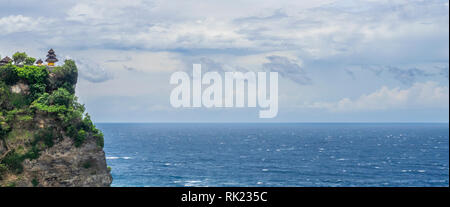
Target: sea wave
{"type": "Point", "coordinates": [116, 158]}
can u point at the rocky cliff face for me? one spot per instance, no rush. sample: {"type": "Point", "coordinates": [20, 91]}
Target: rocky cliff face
{"type": "Point", "coordinates": [65, 165]}
{"type": "Point", "coordinates": [46, 138]}
{"type": "Point", "coordinates": [61, 165]}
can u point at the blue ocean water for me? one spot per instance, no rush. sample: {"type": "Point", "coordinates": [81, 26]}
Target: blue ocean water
{"type": "Point", "coordinates": [285, 154]}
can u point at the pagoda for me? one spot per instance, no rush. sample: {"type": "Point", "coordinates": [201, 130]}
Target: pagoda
{"type": "Point", "coordinates": [5, 60]}
{"type": "Point", "coordinates": [51, 58]}
{"type": "Point", "coordinates": [39, 62]}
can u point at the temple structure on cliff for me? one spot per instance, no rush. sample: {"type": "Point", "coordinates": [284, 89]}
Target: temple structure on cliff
{"type": "Point", "coordinates": [5, 61]}
{"type": "Point", "coordinates": [39, 62]}
{"type": "Point", "coordinates": [51, 58]}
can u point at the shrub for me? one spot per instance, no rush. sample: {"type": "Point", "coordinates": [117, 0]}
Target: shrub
{"type": "Point", "coordinates": [34, 182]}
{"type": "Point", "coordinates": [13, 161]}
{"type": "Point", "coordinates": [33, 153]}
{"type": "Point", "coordinates": [4, 94]}
{"type": "Point", "coordinates": [65, 76]}
{"type": "Point", "coordinates": [8, 74]}
{"type": "Point", "coordinates": [87, 164]}
{"type": "Point", "coordinates": [4, 130]}
{"type": "Point", "coordinates": [100, 139]}
{"type": "Point", "coordinates": [70, 71]}
{"type": "Point", "coordinates": [30, 60]}
{"type": "Point", "coordinates": [32, 74]}
{"type": "Point", "coordinates": [3, 170]}
{"type": "Point", "coordinates": [71, 131]}
{"type": "Point", "coordinates": [12, 184]}
{"type": "Point", "coordinates": [25, 118]}
{"type": "Point", "coordinates": [45, 135]}
{"type": "Point", "coordinates": [87, 124]}
{"type": "Point", "coordinates": [18, 100]}
{"type": "Point", "coordinates": [61, 97]}
{"type": "Point", "coordinates": [59, 102]}
{"type": "Point", "coordinates": [36, 90]}
{"type": "Point", "coordinates": [79, 139]}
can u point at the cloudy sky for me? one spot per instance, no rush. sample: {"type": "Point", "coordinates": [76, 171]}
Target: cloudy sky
{"type": "Point", "coordinates": [338, 61]}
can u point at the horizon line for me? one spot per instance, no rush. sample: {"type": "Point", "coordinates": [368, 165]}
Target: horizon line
{"type": "Point", "coordinates": [418, 122]}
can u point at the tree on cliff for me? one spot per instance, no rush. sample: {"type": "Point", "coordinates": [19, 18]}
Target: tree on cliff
{"type": "Point", "coordinates": [19, 58]}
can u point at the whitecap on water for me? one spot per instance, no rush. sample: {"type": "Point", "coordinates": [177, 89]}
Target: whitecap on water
{"type": "Point", "coordinates": [194, 183]}
{"type": "Point", "coordinates": [115, 158]}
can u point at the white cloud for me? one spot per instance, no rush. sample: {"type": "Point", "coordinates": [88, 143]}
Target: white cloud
{"type": "Point", "coordinates": [419, 96]}
{"type": "Point", "coordinates": [83, 12]}
{"type": "Point", "coordinates": [19, 23]}
{"type": "Point", "coordinates": [160, 107]}
{"type": "Point", "coordinates": [287, 68]}
{"type": "Point", "coordinates": [356, 30]}
{"type": "Point", "coordinates": [140, 42]}
{"type": "Point", "coordinates": [92, 71]}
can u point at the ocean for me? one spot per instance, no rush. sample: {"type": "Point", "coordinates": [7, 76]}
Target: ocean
{"type": "Point", "coordinates": [284, 154]}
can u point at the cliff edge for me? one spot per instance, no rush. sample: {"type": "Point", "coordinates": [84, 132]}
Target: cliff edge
{"type": "Point", "coordinates": [46, 138]}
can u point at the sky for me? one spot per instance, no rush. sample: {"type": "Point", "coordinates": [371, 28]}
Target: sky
{"type": "Point", "coordinates": [338, 61]}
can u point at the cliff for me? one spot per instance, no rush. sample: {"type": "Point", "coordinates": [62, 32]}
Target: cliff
{"type": "Point", "coordinates": [46, 138]}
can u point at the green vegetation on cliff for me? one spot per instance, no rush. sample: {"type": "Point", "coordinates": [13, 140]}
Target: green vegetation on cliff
{"type": "Point", "coordinates": [38, 107]}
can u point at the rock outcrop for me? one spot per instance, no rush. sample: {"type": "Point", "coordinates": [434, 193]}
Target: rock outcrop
{"type": "Point", "coordinates": [65, 165]}
{"type": "Point", "coordinates": [46, 138]}
{"type": "Point", "coordinates": [20, 88]}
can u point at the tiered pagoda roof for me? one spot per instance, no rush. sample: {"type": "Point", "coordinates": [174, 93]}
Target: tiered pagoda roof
{"type": "Point", "coordinates": [51, 57]}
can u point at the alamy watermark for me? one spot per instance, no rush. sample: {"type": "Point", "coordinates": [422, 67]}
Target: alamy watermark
{"type": "Point", "coordinates": [234, 88]}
